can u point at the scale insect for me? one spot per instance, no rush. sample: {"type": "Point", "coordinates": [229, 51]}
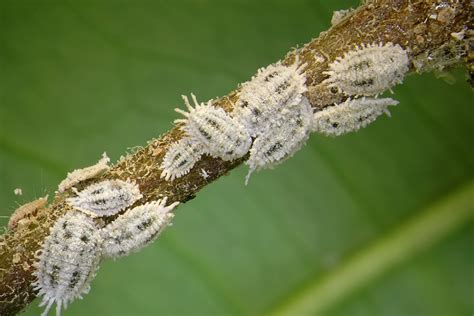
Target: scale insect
{"type": "Point", "coordinates": [180, 159]}
{"type": "Point", "coordinates": [350, 115]}
{"type": "Point", "coordinates": [271, 89]}
{"type": "Point", "coordinates": [69, 258]}
{"type": "Point", "coordinates": [137, 228]}
{"type": "Point", "coordinates": [214, 130]}
{"type": "Point", "coordinates": [26, 210]}
{"type": "Point", "coordinates": [106, 198]}
{"type": "Point", "coordinates": [282, 138]}
{"type": "Point", "coordinates": [83, 174]}
{"type": "Point", "coordinates": [368, 69]}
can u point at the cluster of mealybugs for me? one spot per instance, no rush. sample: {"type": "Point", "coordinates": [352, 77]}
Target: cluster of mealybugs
{"type": "Point", "coordinates": [272, 118]}
{"type": "Point", "coordinates": [270, 121]}
{"type": "Point", "coordinates": [77, 242]}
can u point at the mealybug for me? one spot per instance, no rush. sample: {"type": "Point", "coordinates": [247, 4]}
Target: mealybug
{"type": "Point", "coordinates": [338, 16]}
{"type": "Point", "coordinates": [69, 259]}
{"type": "Point", "coordinates": [282, 138]}
{"type": "Point", "coordinates": [80, 175]}
{"type": "Point", "coordinates": [350, 115]}
{"type": "Point", "coordinates": [271, 89]}
{"type": "Point", "coordinates": [180, 158]}
{"type": "Point", "coordinates": [106, 198]}
{"type": "Point", "coordinates": [136, 228]}
{"type": "Point", "coordinates": [369, 69]}
{"type": "Point", "coordinates": [219, 134]}
{"type": "Point", "coordinates": [26, 210]}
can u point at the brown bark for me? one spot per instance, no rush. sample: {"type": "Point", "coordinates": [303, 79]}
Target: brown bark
{"type": "Point", "coordinates": [422, 27]}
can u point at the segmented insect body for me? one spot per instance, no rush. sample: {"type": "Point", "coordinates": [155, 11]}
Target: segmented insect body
{"type": "Point", "coordinates": [270, 90]}
{"type": "Point", "coordinates": [106, 198]}
{"type": "Point", "coordinates": [136, 228]}
{"type": "Point", "coordinates": [350, 116]}
{"type": "Point", "coordinates": [282, 138]}
{"type": "Point", "coordinates": [219, 134]}
{"type": "Point", "coordinates": [26, 210]}
{"type": "Point", "coordinates": [180, 158]}
{"type": "Point", "coordinates": [369, 69]}
{"type": "Point", "coordinates": [68, 262]}
{"type": "Point", "coordinates": [80, 175]}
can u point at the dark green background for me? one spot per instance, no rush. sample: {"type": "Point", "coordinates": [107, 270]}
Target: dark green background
{"type": "Point", "coordinates": [78, 78]}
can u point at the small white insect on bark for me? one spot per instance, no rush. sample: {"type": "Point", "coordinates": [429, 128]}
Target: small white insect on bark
{"type": "Point", "coordinates": [80, 175]}
{"type": "Point", "coordinates": [338, 16]}
{"type": "Point", "coordinates": [26, 210]}
{"type": "Point", "coordinates": [106, 198]}
{"type": "Point", "coordinates": [136, 228]}
{"type": "Point", "coordinates": [271, 89]}
{"type": "Point", "coordinates": [282, 138]}
{"type": "Point", "coordinates": [368, 69]}
{"type": "Point", "coordinates": [180, 158]}
{"type": "Point", "coordinates": [204, 174]}
{"type": "Point", "coordinates": [68, 261]}
{"type": "Point", "coordinates": [350, 115]}
{"type": "Point", "coordinates": [218, 133]}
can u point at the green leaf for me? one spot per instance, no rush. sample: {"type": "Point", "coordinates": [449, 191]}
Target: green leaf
{"type": "Point", "coordinates": [378, 222]}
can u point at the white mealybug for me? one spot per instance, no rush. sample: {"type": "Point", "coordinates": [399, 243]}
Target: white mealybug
{"type": "Point", "coordinates": [281, 139]}
{"type": "Point", "coordinates": [369, 69]}
{"type": "Point", "coordinates": [106, 198]}
{"type": "Point", "coordinates": [350, 115]}
{"type": "Point", "coordinates": [68, 262]}
{"type": "Point", "coordinates": [83, 174]}
{"type": "Point", "coordinates": [136, 228]}
{"type": "Point", "coordinates": [26, 210]}
{"type": "Point", "coordinates": [180, 158]}
{"type": "Point", "coordinates": [338, 16]}
{"type": "Point", "coordinates": [204, 174]}
{"type": "Point", "coordinates": [219, 134]}
{"type": "Point", "coordinates": [271, 89]}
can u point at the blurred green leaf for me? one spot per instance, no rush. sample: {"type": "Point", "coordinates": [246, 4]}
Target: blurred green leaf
{"type": "Point", "coordinates": [78, 78]}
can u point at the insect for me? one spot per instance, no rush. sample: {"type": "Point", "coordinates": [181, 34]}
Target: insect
{"type": "Point", "coordinates": [350, 115]}
{"type": "Point", "coordinates": [368, 69]}
{"type": "Point", "coordinates": [338, 16]}
{"type": "Point", "coordinates": [180, 158]}
{"type": "Point", "coordinates": [282, 138]}
{"type": "Point", "coordinates": [214, 130]}
{"type": "Point", "coordinates": [26, 210]}
{"type": "Point", "coordinates": [271, 89]}
{"type": "Point", "coordinates": [136, 228]}
{"type": "Point", "coordinates": [69, 259]}
{"type": "Point", "coordinates": [71, 253]}
{"type": "Point", "coordinates": [80, 175]}
{"type": "Point", "coordinates": [106, 198]}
